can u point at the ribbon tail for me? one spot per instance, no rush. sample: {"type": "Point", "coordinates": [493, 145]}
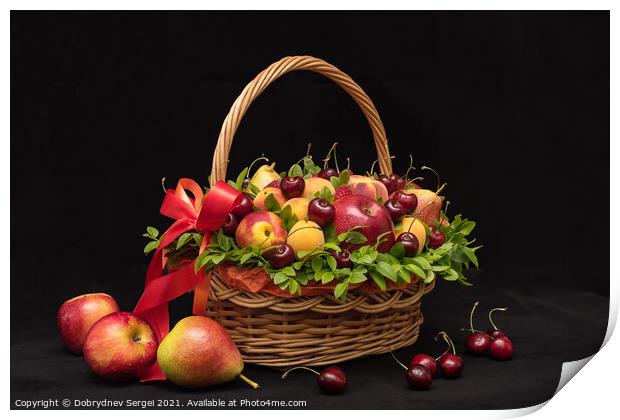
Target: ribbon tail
{"type": "Point", "coordinates": [201, 295]}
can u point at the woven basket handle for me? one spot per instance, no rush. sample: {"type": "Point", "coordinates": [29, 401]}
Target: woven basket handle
{"type": "Point", "coordinates": [271, 74]}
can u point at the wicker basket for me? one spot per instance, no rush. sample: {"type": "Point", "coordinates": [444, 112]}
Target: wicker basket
{"type": "Point", "coordinates": [312, 331]}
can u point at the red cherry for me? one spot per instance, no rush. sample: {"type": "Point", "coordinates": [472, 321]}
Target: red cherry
{"type": "Point", "coordinates": [321, 212]}
{"type": "Point", "coordinates": [477, 343]}
{"type": "Point", "coordinates": [243, 207]}
{"type": "Point", "coordinates": [427, 361]}
{"type": "Point", "coordinates": [397, 212]}
{"type": "Point", "coordinates": [332, 380]}
{"type": "Point", "coordinates": [343, 259]}
{"type": "Point", "coordinates": [389, 184]}
{"type": "Point", "coordinates": [280, 256]}
{"type": "Point", "coordinates": [436, 238]}
{"type": "Point", "coordinates": [398, 182]}
{"type": "Point", "coordinates": [245, 183]}
{"type": "Point", "coordinates": [451, 365]}
{"type": "Point", "coordinates": [328, 173]}
{"type": "Point", "coordinates": [419, 377]}
{"type": "Point", "coordinates": [501, 348]}
{"type": "Point", "coordinates": [230, 226]}
{"type": "Point", "coordinates": [408, 201]}
{"type": "Point", "coordinates": [495, 333]}
{"type": "Point", "coordinates": [410, 242]}
{"type": "Point", "coordinates": [292, 186]}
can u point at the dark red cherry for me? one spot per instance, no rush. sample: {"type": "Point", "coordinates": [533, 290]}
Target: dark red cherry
{"type": "Point", "coordinates": [321, 212]}
{"type": "Point", "coordinates": [397, 212]}
{"type": "Point", "coordinates": [495, 333]}
{"type": "Point", "coordinates": [451, 365]}
{"type": "Point", "coordinates": [328, 173]}
{"type": "Point", "coordinates": [292, 186]}
{"type": "Point", "coordinates": [436, 238]}
{"type": "Point", "coordinates": [419, 377]}
{"type": "Point", "coordinates": [332, 380]}
{"type": "Point", "coordinates": [280, 256]}
{"type": "Point", "coordinates": [410, 242]}
{"type": "Point", "coordinates": [343, 259]}
{"type": "Point", "coordinates": [230, 226]}
{"type": "Point", "coordinates": [427, 361]}
{"type": "Point", "coordinates": [245, 183]}
{"type": "Point", "coordinates": [243, 207]}
{"type": "Point", "coordinates": [477, 343]}
{"type": "Point", "coordinates": [501, 348]}
{"type": "Point", "coordinates": [398, 182]}
{"type": "Point", "coordinates": [389, 184]}
{"type": "Point", "coordinates": [408, 201]}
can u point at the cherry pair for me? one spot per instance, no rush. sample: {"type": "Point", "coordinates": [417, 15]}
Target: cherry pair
{"type": "Point", "coordinates": [493, 343]}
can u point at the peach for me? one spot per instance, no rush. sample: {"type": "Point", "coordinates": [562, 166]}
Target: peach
{"type": "Point", "coordinates": [299, 206]}
{"type": "Point", "coordinates": [264, 176]}
{"type": "Point", "coordinates": [260, 228]}
{"type": "Point", "coordinates": [305, 236]}
{"type": "Point", "coordinates": [259, 200]}
{"type": "Point", "coordinates": [417, 228]}
{"type": "Point", "coordinates": [315, 185]}
{"type": "Point", "coordinates": [370, 187]}
{"type": "Point", "coordinates": [76, 317]}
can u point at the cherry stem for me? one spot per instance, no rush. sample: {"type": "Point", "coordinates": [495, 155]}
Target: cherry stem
{"type": "Point", "coordinates": [444, 213]}
{"type": "Point", "coordinates": [398, 361]}
{"type": "Point", "coordinates": [448, 340]}
{"type": "Point", "coordinates": [285, 374]}
{"type": "Point", "coordinates": [478, 331]}
{"type": "Point", "coordinates": [418, 216]}
{"type": "Point", "coordinates": [471, 315]}
{"type": "Point", "coordinates": [163, 184]}
{"type": "Point", "coordinates": [410, 167]}
{"type": "Point", "coordinates": [249, 381]}
{"type": "Point", "coordinates": [348, 163]}
{"type": "Point", "coordinates": [425, 168]}
{"type": "Point", "coordinates": [262, 157]}
{"type": "Point", "coordinates": [372, 167]}
{"type": "Point", "coordinates": [491, 316]}
{"type": "Point", "coordinates": [329, 155]}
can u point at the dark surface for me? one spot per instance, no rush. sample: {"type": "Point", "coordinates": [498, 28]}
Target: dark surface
{"type": "Point", "coordinates": [512, 109]}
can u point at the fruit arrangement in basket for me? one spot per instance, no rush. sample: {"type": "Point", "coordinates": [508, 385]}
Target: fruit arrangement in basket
{"type": "Point", "coordinates": [321, 227]}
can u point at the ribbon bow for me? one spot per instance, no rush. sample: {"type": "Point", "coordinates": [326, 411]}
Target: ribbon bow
{"type": "Point", "coordinates": [202, 215]}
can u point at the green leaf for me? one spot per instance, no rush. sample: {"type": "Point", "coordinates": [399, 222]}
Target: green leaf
{"type": "Point", "coordinates": [279, 278]}
{"type": "Point", "coordinates": [357, 277]}
{"type": "Point", "coordinates": [335, 181]}
{"type": "Point", "coordinates": [327, 277]}
{"type": "Point", "coordinates": [245, 257]}
{"type": "Point", "coordinates": [352, 237]}
{"type": "Point", "coordinates": [202, 260]}
{"type": "Point", "coordinates": [295, 171]}
{"type": "Point", "coordinates": [271, 204]}
{"type": "Point", "coordinates": [317, 264]}
{"type": "Point", "coordinates": [332, 246]}
{"type": "Point", "coordinates": [340, 291]}
{"type": "Point", "coordinates": [471, 256]}
{"type": "Point", "coordinates": [416, 270]}
{"type": "Point", "coordinates": [344, 177]}
{"type": "Point", "coordinates": [378, 279]}
{"type": "Point", "coordinates": [329, 232]}
{"type": "Point", "coordinates": [430, 276]}
{"type": "Point", "coordinates": [397, 251]}
{"type": "Point", "coordinates": [404, 274]}
{"type": "Point", "coordinates": [331, 261]}
{"type": "Point", "coordinates": [451, 275]}
{"type": "Point", "coordinates": [151, 246]}
{"type": "Point", "coordinates": [466, 227]}
{"type": "Point", "coordinates": [302, 278]}
{"type": "Point", "coordinates": [197, 238]}
{"type": "Point", "coordinates": [241, 177]}
{"type": "Point", "coordinates": [152, 231]}
{"type": "Point", "coordinates": [218, 258]}
{"type": "Point", "coordinates": [422, 262]}
{"type": "Point", "coordinates": [289, 271]}
{"type": "Point", "coordinates": [183, 239]}
{"type": "Point", "coordinates": [387, 271]}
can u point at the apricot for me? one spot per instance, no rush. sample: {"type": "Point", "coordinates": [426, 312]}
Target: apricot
{"type": "Point", "coordinates": [259, 200]}
{"type": "Point", "coordinates": [305, 236]}
{"type": "Point", "coordinates": [299, 206]}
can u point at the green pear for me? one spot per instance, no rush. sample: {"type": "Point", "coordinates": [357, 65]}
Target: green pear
{"type": "Point", "coordinates": [198, 352]}
{"type": "Point", "coordinates": [264, 176]}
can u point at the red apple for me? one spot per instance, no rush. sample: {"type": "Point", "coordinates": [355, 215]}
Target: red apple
{"type": "Point", "coordinates": [358, 210]}
{"type": "Point", "coordinates": [120, 346]}
{"type": "Point", "coordinates": [76, 316]}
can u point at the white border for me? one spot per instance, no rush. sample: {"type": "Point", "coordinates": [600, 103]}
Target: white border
{"type": "Point", "coordinates": [594, 392]}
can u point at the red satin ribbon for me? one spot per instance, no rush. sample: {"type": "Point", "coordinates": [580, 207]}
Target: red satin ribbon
{"type": "Point", "coordinates": [205, 216]}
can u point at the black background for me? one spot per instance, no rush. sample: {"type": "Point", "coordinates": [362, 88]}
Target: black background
{"type": "Point", "coordinates": [511, 108]}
